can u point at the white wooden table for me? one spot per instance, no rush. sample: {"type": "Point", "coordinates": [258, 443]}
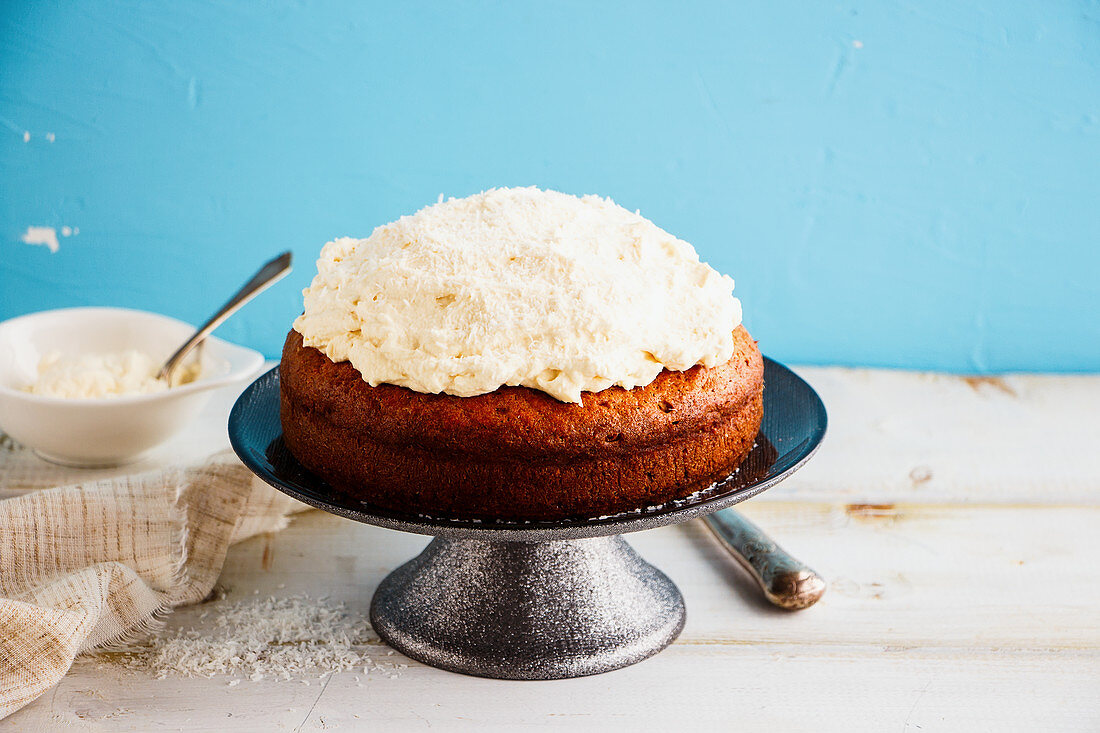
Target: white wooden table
{"type": "Point", "coordinates": [957, 523]}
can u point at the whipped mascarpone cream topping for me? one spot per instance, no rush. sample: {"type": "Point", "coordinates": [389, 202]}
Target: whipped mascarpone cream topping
{"type": "Point", "coordinates": [518, 286]}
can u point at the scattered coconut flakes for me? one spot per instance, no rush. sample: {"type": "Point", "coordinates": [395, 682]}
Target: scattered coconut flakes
{"type": "Point", "coordinates": [273, 638]}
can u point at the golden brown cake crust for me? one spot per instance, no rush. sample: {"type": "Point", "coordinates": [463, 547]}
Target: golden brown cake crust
{"type": "Point", "coordinates": [518, 452]}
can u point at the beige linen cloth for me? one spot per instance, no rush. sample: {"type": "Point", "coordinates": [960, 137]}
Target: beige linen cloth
{"type": "Point", "coordinates": [89, 564]}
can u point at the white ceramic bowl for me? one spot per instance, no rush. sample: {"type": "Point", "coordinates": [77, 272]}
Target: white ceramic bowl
{"type": "Point", "coordinates": [107, 431]}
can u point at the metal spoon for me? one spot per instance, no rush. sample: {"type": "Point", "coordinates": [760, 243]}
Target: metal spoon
{"type": "Point", "coordinates": [267, 275]}
{"type": "Point", "coordinates": [785, 581]}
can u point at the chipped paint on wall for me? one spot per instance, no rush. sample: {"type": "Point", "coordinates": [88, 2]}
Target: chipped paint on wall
{"type": "Point", "coordinates": [46, 236]}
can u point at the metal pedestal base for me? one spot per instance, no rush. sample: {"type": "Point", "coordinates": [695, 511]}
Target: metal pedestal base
{"type": "Point", "coordinates": [528, 610]}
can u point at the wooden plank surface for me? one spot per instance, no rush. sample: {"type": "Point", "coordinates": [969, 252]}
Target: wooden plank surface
{"type": "Point", "coordinates": [956, 521]}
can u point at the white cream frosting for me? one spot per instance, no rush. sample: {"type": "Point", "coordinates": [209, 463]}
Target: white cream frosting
{"type": "Point", "coordinates": [90, 376]}
{"type": "Point", "coordinates": [518, 286]}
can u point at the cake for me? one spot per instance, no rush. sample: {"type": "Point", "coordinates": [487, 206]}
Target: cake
{"type": "Point", "coordinates": [519, 354]}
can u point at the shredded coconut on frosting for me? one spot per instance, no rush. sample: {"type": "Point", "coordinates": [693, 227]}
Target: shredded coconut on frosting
{"type": "Point", "coordinates": [518, 286]}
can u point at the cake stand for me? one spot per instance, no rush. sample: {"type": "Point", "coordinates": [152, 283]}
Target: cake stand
{"type": "Point", "coordinates": [533, 600]}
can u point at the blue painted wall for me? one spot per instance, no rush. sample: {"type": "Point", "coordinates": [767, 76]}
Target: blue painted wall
{"type": "Point", "coordinates": [890, 183]}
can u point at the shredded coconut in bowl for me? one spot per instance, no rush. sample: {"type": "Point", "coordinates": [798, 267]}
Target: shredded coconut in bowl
{"type": "Point", "coordinates": [94, 376]}
{"type": "Point", "coordinates": [90, 376]}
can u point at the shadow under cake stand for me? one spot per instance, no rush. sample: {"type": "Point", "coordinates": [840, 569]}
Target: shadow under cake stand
{"type": "Point", "coordinates": [533, 600]}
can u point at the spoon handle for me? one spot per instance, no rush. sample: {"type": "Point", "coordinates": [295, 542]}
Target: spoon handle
{"type": "Point", "coordinates": [266, 276]}
{"type": "Point", "coordinates": [786, 582]}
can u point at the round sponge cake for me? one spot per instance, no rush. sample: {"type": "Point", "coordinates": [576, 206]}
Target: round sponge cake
{"type": "Point", "coordinates": [516, 452]}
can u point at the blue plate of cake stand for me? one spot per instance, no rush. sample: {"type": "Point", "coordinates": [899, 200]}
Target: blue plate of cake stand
{"type": "Point", "coordinates": [515, 599]}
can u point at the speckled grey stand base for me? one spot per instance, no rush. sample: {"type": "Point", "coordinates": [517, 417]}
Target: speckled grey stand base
{"type": "Point", "coordinates": [528, 610]}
